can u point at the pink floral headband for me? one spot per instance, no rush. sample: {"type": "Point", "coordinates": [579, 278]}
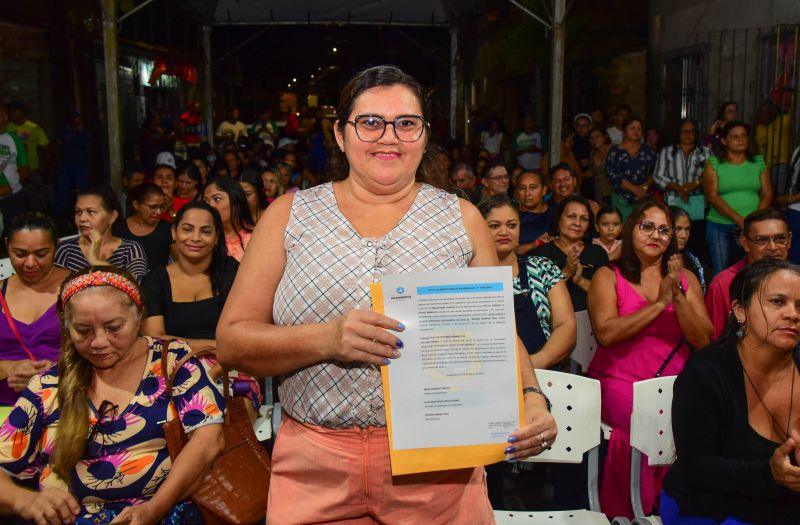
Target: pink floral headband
{"type": "Point", "coordinates": [100, 278]}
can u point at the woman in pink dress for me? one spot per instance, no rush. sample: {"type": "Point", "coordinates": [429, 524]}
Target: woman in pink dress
{"type": "Point", "coordinates": [646, 312]}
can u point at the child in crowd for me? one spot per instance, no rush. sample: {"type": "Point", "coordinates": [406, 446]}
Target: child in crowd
{"type": "Point", "coordinates": [609, 226]}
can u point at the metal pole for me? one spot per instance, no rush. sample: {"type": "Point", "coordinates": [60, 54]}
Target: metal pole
{"type": "Point", "coordinates": [556, 81]}
{"type": "Point", "coordinates": [453, 80]}
{"type": "Point", "coordinates": [111, 59]}
{"type": "Point", "coordinates": [208, 89]}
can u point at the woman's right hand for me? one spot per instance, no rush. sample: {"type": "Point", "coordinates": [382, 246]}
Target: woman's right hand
{"type": "Point", "coordinates": [362, 336]}
{"type": "Point", "coordinates": [21, 372]}
{"type": "Point", "coordinates": [783, 472]}
{"type": "Point", "coordinates": [49, 506]}
{"type": "Point", "coordinates": [665, 290]}
{"type": "Point", "coordinates": [94, 248]}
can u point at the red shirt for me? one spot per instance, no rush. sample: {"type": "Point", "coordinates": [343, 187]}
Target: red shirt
{"type": "Point", "coordinates": [718, 297]}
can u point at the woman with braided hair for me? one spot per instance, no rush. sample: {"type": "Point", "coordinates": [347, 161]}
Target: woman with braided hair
{"type": "Point", "coordinates": [91, 428]}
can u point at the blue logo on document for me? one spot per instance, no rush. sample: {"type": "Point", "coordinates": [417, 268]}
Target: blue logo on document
{"type": "Point", "coordinates": [401, 290]}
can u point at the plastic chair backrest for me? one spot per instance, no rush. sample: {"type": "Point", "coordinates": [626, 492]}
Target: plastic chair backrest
{"type": "Point", "coordinates": [576, 409]}
{"type": "Point", "coordinates": [651, 420]}
{"type": "Point", "coordinates": [585, 344]}
{"type": "Point", "coordinates": [6, 270]}
{"type": "Point", "coordinates": [559, 517]}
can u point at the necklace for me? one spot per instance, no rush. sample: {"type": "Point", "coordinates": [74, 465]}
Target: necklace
{"type": "Point", "coordinates": [791, 401]}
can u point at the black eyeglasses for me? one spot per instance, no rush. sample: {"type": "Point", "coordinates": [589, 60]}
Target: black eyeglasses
{"type": "Point", "coordinates": [107, 410]}
{"type": "Point", "coordinates": [648, 228]}
{"type": "Point", "coordinates": [762, 240]}
{"type": "Point", "coordinates": [371, 128]}
{"type": "Point", "coordinates": [155, 207]}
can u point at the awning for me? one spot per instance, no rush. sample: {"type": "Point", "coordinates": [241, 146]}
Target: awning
{"type": "Point", "coordinates": [357, 12]}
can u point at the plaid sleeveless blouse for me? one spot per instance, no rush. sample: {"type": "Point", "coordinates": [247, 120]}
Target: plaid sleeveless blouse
{"type": "Point", "coordinates": [329, 269]}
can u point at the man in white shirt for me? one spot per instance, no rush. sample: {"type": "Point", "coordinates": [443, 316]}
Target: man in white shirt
{"type": "Point", "coordinates": [13, 168]}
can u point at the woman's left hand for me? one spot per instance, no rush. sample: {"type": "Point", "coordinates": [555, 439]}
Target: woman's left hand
{"type": "Point", "coordinates": [141, 514]}
{"type": "Point", "coordinates": [535, 437]}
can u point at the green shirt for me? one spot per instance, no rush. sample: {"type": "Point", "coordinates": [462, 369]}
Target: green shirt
{"type": "Point", "coordinates": [738, 185]}
{"type": "Point", "coordinates": [33, 137]}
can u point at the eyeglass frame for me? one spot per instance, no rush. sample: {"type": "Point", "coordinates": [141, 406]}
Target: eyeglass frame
{"type": "Point", "coordinates": [386, 125]}
{"type": "Point", "coordinates": [767, 239]}
{"type": "Point", "coordinates": [661, 233]}
{"type": "Point", "coordinates": [106, 408]}
{"type": "Point", "coordinates": [155, 207]}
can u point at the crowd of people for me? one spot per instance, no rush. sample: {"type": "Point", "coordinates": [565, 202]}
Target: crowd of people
{"type": "Point", "coordinates": [262, 250]}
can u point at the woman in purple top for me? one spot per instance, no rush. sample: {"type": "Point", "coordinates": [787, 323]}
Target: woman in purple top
{"type": "Point", "coordinates": [29, 302]}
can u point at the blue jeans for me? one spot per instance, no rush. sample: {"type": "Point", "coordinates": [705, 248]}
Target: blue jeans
{"type": "Point", "coordinates": [723, 248]}
{"type": "Point", "coordinates": [793, 216]}
{"type": "Point", "coordinates": [671, 515]}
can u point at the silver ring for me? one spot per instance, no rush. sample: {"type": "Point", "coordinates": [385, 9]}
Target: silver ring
{"type": "Point", "coordinates": [541, 438]}
{"type": "Point", "coordinates": [544, 445]}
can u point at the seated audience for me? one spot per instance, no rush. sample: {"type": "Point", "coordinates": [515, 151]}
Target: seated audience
{"type": "Point", "coordinates": [609, 226]}
{"type": "Point", "coordinates": [271, 181]}
{"type": "Point", "coordinates": [646, 313]}
{"type": "Point", "coordinates": [536, 217]}
{"type": "Point", "coordinates": [253, 187]}
{"type": "Point", "coordinates": [572, 249]}
{"type": "Point", "coordinates": [495, 179]}
{"type": "Point", "coordinates": [95, 213]}
{"type": "Point", "coordinates": [30, 334]}
{"type": "Point", "coordinates": [736, 435]}
{"type": "Point", "coordinates": [563, 183]}
{"type": "Point", "coordinates": [145, 225]}
{"type": "Point", "coordinates": [545, 319]}
{"type": "Point", "coordinates": [227, 197]}
{"type": "Point", "coordinates": [765, 234]}
{"type": "Point", "coordinates": [89, 430]}
{"type": "Point", "coordinates": [683, 232]}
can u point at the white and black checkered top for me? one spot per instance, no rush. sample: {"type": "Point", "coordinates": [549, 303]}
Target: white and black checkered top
{"type": "Point", "coordinates": [329, 269]}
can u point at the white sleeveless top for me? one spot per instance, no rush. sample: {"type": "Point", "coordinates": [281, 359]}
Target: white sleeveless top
{"type": "Point", "coordinates": [329, 269]}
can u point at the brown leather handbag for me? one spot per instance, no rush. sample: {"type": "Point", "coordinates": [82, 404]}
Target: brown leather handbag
{"type": "Point", "coordinates": [234, 489]}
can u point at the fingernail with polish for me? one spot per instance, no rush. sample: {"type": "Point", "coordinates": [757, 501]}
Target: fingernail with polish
{"type": "Point", "coordinates": [395, 354]}
{"type": "Point", "coordinates": [401, 326]}
{"type": "Point", "coordinates": [511, 450]}
{"type": "Point", "coordinates": [400, 344]}
{"type": "Point", "coordinates": [387, 362]}
{"type": "Point", "coordinates": [511, 460]}
{"type": "Point", "coordinates": [512, 439]}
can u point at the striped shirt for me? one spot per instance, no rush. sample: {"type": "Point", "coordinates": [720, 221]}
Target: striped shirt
{"type": "Point", "coordinates": [129, 256]}
{"type": "Point", "coordinates": [673, 166]}
{"type": "Point", "coordinates": [329, 269]}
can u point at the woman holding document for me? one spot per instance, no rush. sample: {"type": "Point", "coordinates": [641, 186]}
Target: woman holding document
{"type": "Point", "coordinates": [301, 308]}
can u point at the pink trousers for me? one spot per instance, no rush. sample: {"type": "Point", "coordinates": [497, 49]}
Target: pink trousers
{"type": "Point", "coordinates": [329, 476]}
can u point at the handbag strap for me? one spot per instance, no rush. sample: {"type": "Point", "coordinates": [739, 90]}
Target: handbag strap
{"type": "Point", "coordinates": [13, 326]}
{"type": "Point", "coordinates": [170, 377]}
{"type": "Point", "coordinates": [669, 357]}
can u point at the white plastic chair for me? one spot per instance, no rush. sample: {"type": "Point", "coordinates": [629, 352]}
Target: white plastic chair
{"type": "Point", "coordinates": [576, 409]}
{"type": "Point", "coordinates": [651, 435]}
{"type": "Point", "coordinates": [6, 270]}
{"type": "Point", "coordinates": [585, 344]}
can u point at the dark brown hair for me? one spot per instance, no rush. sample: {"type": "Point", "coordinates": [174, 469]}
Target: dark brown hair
{"type": "Point", "coordinates": [629, 264]}
{"type": "Point", "coordinates": [379, 76]}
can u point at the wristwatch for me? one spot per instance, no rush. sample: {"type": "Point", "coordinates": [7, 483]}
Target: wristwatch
{"type": "Point", "coordinates": [535, 390]}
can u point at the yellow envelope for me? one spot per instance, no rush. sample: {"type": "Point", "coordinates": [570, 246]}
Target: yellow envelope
{"type": "Point", "coordinates": [412, 461]}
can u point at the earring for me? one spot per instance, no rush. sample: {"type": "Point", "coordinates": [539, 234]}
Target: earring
{"type": "Point", "coordinates": [740, 331]}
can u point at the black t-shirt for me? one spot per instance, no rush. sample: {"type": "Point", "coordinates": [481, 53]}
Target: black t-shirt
{"type": "Point", "coordinates": [155, 245]}
{"type": "Point", "coordinates": [722, 467]}
{"type": "Point", "coordinates": [187, 320]}
{"type": "Point", "coordinates": [592, 257]}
